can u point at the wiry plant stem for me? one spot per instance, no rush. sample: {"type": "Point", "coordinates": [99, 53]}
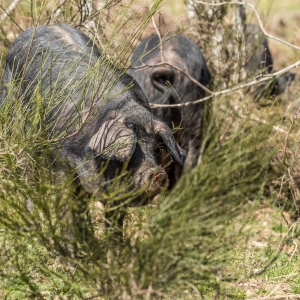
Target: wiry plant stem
{"type": "Point", "coordinates": [8, 10]}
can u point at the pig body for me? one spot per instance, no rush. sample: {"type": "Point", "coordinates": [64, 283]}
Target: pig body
{"type": "Point", "coordinates": [260, 62]}
{"type": "Point", "coordinates": [97, 120]}
{"type": "Point", "coordinates": [258, 55]}
{"type": "Point", "coordinates": [163, 84]}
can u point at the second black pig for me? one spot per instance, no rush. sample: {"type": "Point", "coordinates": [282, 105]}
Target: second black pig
{"type": "Point", "coordinates": [161, 71]}
{"type": "Point", "coordinates": [260, 62]}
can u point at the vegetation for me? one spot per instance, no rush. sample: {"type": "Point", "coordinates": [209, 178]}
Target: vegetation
{"type": "Point", "coordinates": [229, 225]}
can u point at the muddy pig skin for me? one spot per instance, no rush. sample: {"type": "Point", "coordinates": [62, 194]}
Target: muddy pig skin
{"type": "Point", "coordinates": [98, 119]}
{"type": "Point", "coordinates": [185, 55]}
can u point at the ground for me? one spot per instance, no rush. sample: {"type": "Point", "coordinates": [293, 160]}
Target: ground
{"type": "Point", "coordinates": [266, 260]}
{"type": "Point", "coordinates": [274, 234]}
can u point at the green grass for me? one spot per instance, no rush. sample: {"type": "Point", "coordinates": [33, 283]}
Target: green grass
{"type": "Point", "coordinates": [268, 234]}
{"type": "Point", "coordinates": [211, 235]}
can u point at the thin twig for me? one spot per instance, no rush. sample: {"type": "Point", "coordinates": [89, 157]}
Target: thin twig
{"type": "Point", "coordinates": [278, 286]}
{"type": "Point", "coordinates": [295, 189]}
{"type": "Point", "coordinates": [93, 297]}
{"type": "Point", "coordinates": [256, 119]}
{"type": "Point", "coordinates": [159, 35]}
{"type": "Point", "coordinates": [205, 142]}
{"type": "Point", "coordinates": [8, 10]}
{"type": "Point", "coordinates": [288, 134]}
{"type": "Point", "coordinates": [56, 10]}
{"type": "Point", "coordinates": [257, 80]}
{"type": "Point", "coordinates": [279, 250]}
{"type": "Point", "coordinates": [257, 17]}
{"type": "Point", "coordinates": [280, 297]}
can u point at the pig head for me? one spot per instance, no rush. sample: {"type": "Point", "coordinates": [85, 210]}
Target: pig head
{"type": "Point", "coordinates": [61, 60]}
{"type": "Point", "coordinates": [130, 137]}
{"type": "Point", "coordinates": [163, 72]}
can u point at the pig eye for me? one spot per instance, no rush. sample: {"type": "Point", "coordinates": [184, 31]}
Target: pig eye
{"type": "Point", "coordinates": [129, 125]}
{"type": "Point", "coordinates": [158, 150]}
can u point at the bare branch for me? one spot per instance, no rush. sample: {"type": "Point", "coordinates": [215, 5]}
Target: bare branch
{"type": "Point", "coordinates": [257, 80]}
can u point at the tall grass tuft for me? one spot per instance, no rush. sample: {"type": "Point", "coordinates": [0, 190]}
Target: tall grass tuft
{"type": "Point", "coordinates": [53, 246]}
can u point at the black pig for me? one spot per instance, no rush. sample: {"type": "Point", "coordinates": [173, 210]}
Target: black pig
{"type": "Point", "coordinates": [164, 84]}
{"type": "Point", "coordinates": [98, 120]}
{"type": "Point", "coordinates": [258, 55]}
{"type": "Point", "coordinates": [260, 61]}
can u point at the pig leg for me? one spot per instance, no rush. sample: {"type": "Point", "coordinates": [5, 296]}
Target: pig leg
{"type": "Point", "coordinates": [86, 169]}
{"type": "Point", "coordinates": [83, 229]}
{"type": "Point", "coordinates": [190, 160]}
{"type": "Point", "coordinates": [192, 156]}
{"type": "Point", "coordinates": [79, 225]}
{"type": "Point", "coordinates": [114, 221]}
{"type": "Point", "coordinates": [89, 179]}
{"type": "Point", "coordinates": [76, 211]}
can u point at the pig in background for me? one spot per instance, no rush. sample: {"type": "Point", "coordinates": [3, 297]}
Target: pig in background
{"type": "Point", "coordinates": [260, 61]}
{"type": "Point", "coordinates": [163, 84]}
{"type": "Point", "coordinates": [99, 123]}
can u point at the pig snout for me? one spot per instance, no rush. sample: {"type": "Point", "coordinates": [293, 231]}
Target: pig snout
{"type": "Point", "coordinates": [160, 75]}
{"type": "Point", "coordinates": [158, 179]}
{"type": "Point", "coordinates": [155, 179]}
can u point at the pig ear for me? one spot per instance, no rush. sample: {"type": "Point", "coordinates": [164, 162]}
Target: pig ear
{"type": "Point", "coordinates": [165, 132]}
{"type": "Point", "coordinates": [114, 140]}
